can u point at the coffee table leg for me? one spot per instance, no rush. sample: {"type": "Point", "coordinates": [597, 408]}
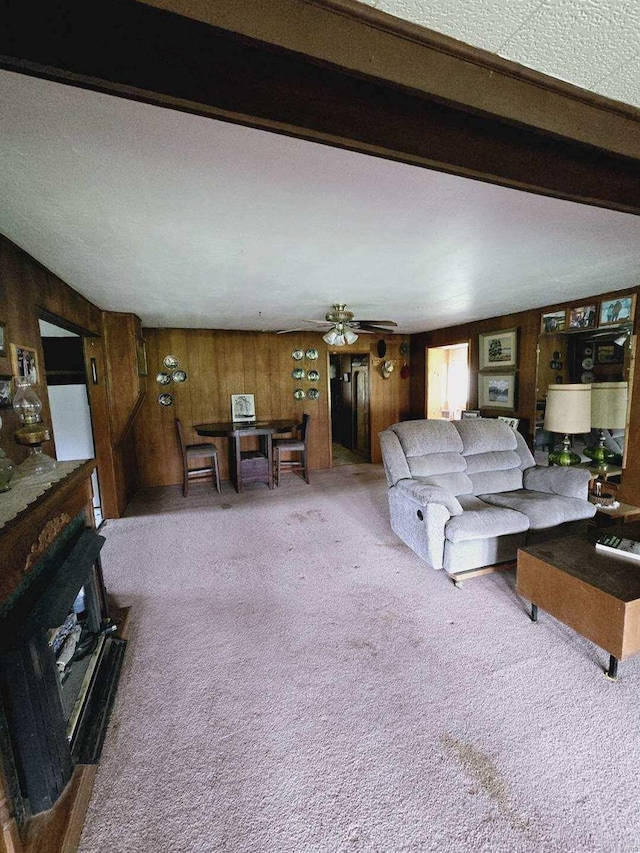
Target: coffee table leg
{"type": "Point", "coordinates": [612, 672]}
{"type": "Point", "coordinates": [534, 612]}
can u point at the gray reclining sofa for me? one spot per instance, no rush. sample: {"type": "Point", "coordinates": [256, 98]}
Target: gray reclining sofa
{"type": "Point", "coordinates": [466, 494]}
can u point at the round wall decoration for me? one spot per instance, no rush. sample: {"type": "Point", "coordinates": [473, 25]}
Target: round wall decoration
{"type": "Point", "coordinates": [163, 378]}
{"type": "Point", "coordinates": [179, 376]}
{"type": "Point", "coordinates": [165, 399]}
{"type": "Point", "coordinates": [170, 361]}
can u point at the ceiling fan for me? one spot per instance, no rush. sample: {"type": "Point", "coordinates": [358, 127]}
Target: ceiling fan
{"type": "Point", "coordinates": [343, 326]}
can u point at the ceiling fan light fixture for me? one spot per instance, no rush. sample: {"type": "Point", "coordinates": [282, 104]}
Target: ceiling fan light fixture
{"type": "Point", "coordinates": [330, 337]}
{"type": "Point", "coordinates": [350, 336]}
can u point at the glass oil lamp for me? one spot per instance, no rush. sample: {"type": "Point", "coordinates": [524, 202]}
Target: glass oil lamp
{"type": "Point", "coordinates": [33, 431]}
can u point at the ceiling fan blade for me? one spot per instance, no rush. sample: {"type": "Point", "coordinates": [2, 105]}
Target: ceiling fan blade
{"type": "Point", "coordinates": [369, 327]}
{"type": "Point", "coordinates": [286, 331]}
{"type": "Point", "coordinates": [375, 322]}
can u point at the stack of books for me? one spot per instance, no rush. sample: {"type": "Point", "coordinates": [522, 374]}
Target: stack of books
{"type": "Point", "coordinates": [612, 543]}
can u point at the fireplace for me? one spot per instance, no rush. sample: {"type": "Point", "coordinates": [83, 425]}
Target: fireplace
{"type": "Point", "coordinates": [60, 653]}
{"type": "Point", "coordinates": [59, 662]}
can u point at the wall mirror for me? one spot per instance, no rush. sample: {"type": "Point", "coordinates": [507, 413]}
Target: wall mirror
{"type": "Point", "coordinates": [586, 356]}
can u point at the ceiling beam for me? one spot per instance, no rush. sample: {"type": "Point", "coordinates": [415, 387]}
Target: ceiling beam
{"type": "Point", "coordinates": [319, 71]}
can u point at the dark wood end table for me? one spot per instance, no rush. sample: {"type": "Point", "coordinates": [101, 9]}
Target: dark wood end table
{"type": "Point", "coordinates": [595, 594]}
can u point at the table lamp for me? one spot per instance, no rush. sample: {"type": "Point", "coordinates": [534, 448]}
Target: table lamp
{"type": "Point", "coordinates": [608, 411]}
{"type": "Point", "coordinates": [568, 411]}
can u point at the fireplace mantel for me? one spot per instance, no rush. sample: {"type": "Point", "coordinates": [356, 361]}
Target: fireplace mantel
{"type": "Point", "coordinates": [33, 516]}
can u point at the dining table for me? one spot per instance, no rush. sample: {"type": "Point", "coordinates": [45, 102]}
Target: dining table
{"type": "Point", "coordinates": [249, 465]}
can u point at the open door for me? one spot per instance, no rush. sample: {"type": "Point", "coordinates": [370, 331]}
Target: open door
{"type": "Point", "coordinates": [447, 381]}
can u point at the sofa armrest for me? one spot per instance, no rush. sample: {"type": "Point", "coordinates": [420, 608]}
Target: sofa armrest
{"type": "Point", "coordinates": [570, 481]}
{"type": "Point", "coordinates": [424, 494]}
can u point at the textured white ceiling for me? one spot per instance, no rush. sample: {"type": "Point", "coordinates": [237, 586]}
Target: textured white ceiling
{"type": "Point", "coordinates": [594, 44]}
{"type": "Point", "coordinates": [192, 222]}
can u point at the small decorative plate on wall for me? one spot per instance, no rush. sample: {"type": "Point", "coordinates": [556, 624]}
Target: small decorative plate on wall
{"type": "Point", "coordinates": [313, 376]}
{"type": "Point", "coordinates": [313, 394]}
{"type": "Point", "coordinates": [170, 361]}
{"type": "Point", "coordinates": [404, 349]}
{"type": "Point", "coordinates": [298, 354]}
{"type": "Point", "coordinates": [165, 399]}
{"type": "Point", "coordinates": [163, 378]}
{"type": "Point", "coordinates": [587, 378]}
{"type": "Point", "coordinates": [179, 376]}
{"type": "Point", "coordinates": [299, 394]}
{"type": "Point", "coordinates": [298, 373]}
{"type": "Point", "coordinates": [312, 354]}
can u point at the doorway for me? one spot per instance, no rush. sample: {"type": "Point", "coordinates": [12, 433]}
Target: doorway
{"type": "Point", "coordinates": [69, 398]}
{"type": "Point", "coordinates": [447, 381]}
{"type": "Point", "coordinates": [349, 385]}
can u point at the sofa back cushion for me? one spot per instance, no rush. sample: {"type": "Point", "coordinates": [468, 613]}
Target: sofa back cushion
{"type": "Point", "coordinates": [491, 453]}
{"type": "Point", "coordinates": [433, 450]}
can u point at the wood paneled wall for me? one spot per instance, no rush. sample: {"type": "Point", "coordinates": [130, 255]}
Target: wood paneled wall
{"type": "Point", "coordinates": [528, 324]}
{"type": "Point", "coordinates": [26, 287]}
{"type": "Point", "coordinates": [221, 363]}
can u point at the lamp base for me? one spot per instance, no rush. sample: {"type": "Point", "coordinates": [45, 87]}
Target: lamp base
{"type": "Point", "coordinates": [600, 454]}
{"type": "Point", "coordinates": [36, 463]}
{"type": "Point", "coordinates": [566, 456]}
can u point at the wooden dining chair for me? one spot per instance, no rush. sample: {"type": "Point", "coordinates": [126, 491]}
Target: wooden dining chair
{"type": "Point", "coordinates": [297, 446]}
{"type": "Point", "coordinates": [197, 451]}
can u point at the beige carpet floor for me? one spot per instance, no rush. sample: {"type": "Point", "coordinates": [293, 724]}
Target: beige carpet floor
{"type": "Point", "coordinates": [298, 681]}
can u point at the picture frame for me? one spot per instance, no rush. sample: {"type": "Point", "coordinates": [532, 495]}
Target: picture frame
{"type": "Point", "coordinates": [616, 311]}
{"type": "Point", "coordinates": [497, 391]}
{"type": "Point", "coordinates": [582, 317]}
{"type": "Point", "coordinates": [470, 413]}
{"type": "Point", "coordinates": [24, 363]}
{"type": "Point", "coordinates": [6, 392]}
{"type": "Point", "coordinates": [498, 350]}
{"type": "Point", "coordinates": [512, 422]}
{"type": "Point", "coordinates": [554, 321]}
{"type": "Point", "coordinates": [609, 353]}
{"type": "Point", "coordinates": [3, 349]}
{"type": "Point", "coordinates": [243, 408]}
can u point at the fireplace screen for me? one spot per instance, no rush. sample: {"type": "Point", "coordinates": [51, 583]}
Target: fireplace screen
{"type": "Point", "coordinates": [59, 666]}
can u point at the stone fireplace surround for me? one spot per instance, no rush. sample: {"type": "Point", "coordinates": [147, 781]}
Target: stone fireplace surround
{"type": "Point", "coordinates": [49, 551]}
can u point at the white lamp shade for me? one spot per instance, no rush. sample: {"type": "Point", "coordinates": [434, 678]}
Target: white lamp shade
{"type": "Point", "coordinates": [609, 405]}
{"type": "Point", "coordinates": [568, 409]}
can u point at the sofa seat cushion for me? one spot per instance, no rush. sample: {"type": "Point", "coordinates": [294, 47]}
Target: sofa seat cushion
{"type": "Point", "coordinates": [480, 520]}
{"type": "Point", "coordinates": [541, 508]}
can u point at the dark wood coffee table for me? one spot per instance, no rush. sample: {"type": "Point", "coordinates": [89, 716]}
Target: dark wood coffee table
{"type": "Point", "coordinates": [595, 594]}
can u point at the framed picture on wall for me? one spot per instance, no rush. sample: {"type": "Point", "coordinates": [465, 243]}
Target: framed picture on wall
{"type": "Point", "coordinates": [497, 391]}
{"type": "Point", "coordinates": [243, 408]}
{"type": "Point", "coordinates": [24, 363]}
{"type": "Point", "coordinates": [614, 311]}
{"type": "Point", "coordinates": [555, 321]}
{"type": "Point", "coordinates": [498, 349]}
{"type": "Point", "coordinates": [583, 317]}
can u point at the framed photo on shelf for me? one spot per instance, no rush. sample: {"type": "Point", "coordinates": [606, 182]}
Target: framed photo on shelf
{"type": "Point", "coordinates": [24, 364]}
{"type": "Point", "coordinates": [498, 349]}
{"type": "Point", "coordinates": [497, 391]}
{"type": "Point", "coordinates": [243, 408]}
{"type": "Point", "coordinates": [470, 413]}
{"type": "Point", "coordinates": [609, 353]}
{"type": "Point", "coordinates": [6, 397]}
{"type": "Point", "coordinates": [583, 317]}
{"type": "Point", "coordinates": [555, 321]}
{"type": "Point", "coordinates": [615, 311]}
